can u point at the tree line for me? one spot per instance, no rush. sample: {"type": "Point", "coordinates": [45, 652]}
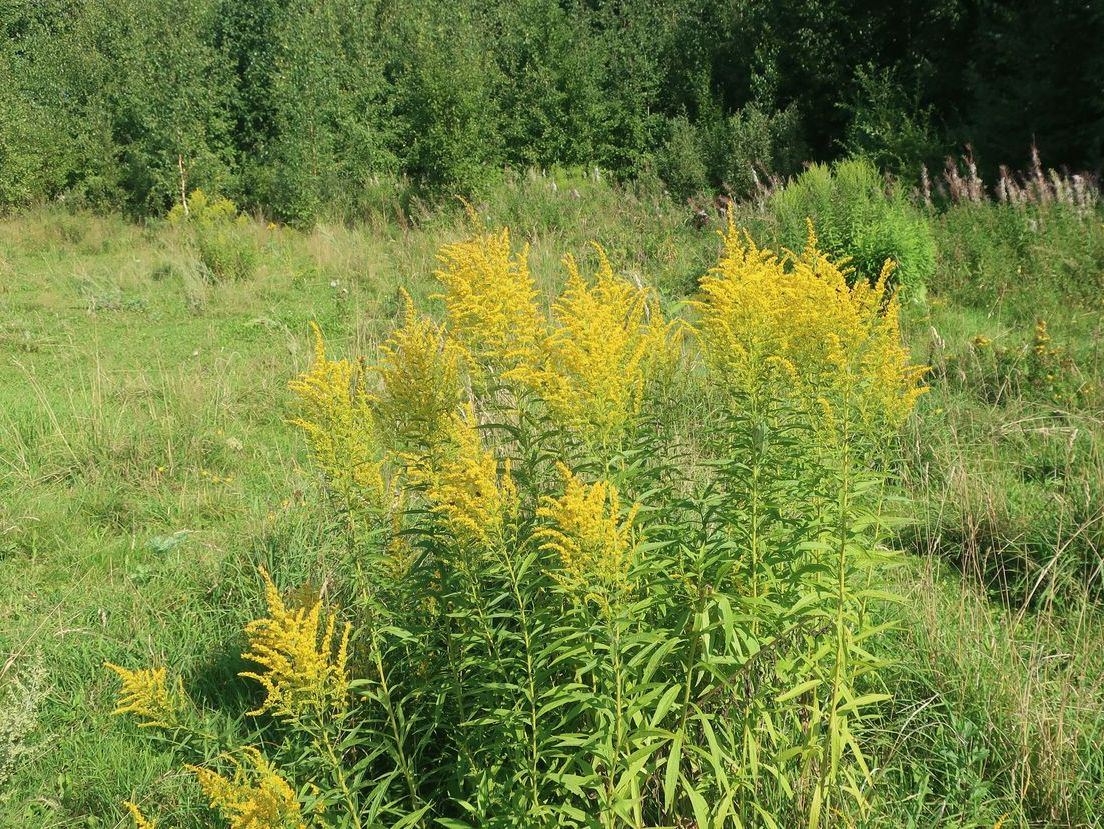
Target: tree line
{"type": "Point", "coordinates": [309, 107]}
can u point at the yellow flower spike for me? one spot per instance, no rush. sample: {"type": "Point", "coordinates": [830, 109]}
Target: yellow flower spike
{"type": "Point", "coordinates": [461, 482]}
{"type": "Point", "coordinates": [140, 820]}
{"type": "Point", "coordinates": [594, 543]}
{"type": "Point", "coordinates": [421, 376]}
{"type": "Point", "coordinates": [491, 300]}
{"type": "Point", "coordinates": [340, 427]}
{"type": "Point", "coordinates": [147, 694]}
{"type": "Point", "coordinates": [793, 323]}
{"type": "Point", "coordinates": [303, 674]}
{"type": "Point", "coordinates": [256, 797]}
{"type": "Point", "coordinates": [607, 340]}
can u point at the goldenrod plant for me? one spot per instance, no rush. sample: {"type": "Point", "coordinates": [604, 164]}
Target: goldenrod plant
{"type": "Point", "coordinates": [565, 614]}
{"type": "Point", "coordinates": [149, 696]}
{"type": "Point", "coordinates": [607, 341]}
{"type": "Point", "coordinates": [255, 796]}
{"type": "Point", "coordinates": [302, 664]}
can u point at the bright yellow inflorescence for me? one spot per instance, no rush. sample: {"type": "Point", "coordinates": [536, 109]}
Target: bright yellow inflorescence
{"type": "Point", "coordinates": [607, 340]}
{"type": "Point", "coordinates": [421, 373]}
{"type": "Point", "coordinates": [773, 325]}
{"type": "Point", "coordinates": [302, 672]}
{"type": "Point", "coordinates": [491, 300]}
{"type": "Point", "coordinates": [586, 530]}
{"type": "Point", "coordinates": [461, 482]}
{"type": "Point", "coordinates": [257, 797]}
{"type": "Point", "coordinates": [339, 424]}
{"type": "Point", "coordinates": [147, 694]}
{"type": "Point", "coordinates": [140, 820]}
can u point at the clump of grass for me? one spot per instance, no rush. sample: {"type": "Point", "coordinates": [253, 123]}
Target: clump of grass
{"type": "Point", "coordinates": [996, 713]}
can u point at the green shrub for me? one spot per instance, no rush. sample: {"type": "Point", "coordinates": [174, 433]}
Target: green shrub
{"type": "Point", "coordinates": [681, 161]}
{"type": "Point", "coordinates": [855, 217]}
{"type": "Point", "coordinates": [219, 235]}
{"type": "Point", "coordinates": [752, 145]}
{"type": "Point", "coordinates": [226, 252]}
{"type": "Point", "coordinates": [888, 126]}
{"type": "Point", "coordinates": [737, 154]}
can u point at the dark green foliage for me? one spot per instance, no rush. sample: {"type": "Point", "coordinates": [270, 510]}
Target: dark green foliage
{"type": "Point", "coordinates": [330, 131]}
{"type": "Point", "coordinates": [738, 153]}
{"type": "Point", "coordinates": [889, 126]}
{"type": "Point", "coordinates": [303, 107]}
{"type": "Point", "coordinates": [452, 140]}
{"type": "Point", "coordinates": [682, 159]}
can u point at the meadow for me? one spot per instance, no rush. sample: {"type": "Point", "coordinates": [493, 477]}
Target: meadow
{"type": "Point", "coordinates": [502, 542]}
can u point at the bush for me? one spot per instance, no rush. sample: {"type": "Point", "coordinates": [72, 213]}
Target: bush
{"type": "Point", "coordinates": [219, 234]}
{"type": "Point", "coordinates": [548, 613]}
{"type": "Point", "coordinates": [227, 253]}
{"type": "Point", "coordinates": [682, 160]}
{"type": "Point", "coordinates": [738, 155]}
{"type": "Point", "coordinates": [855, 217]}
{"type": "Point", "coordinates": [752, 146]}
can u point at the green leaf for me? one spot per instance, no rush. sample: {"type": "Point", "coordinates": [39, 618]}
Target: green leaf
{"type": "Point", "coordinates": [670, 776]}
{"type": "Point", "coordinates": [797, 691]}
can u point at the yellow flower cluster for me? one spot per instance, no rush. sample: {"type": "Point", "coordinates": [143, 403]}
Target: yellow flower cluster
{"type": "Point", "coordinates": [256, 797]}
{"type": "Point", "coordinates": [339, 425]}
{"type": "Point", "coordinates": [1042, 337]}
{"type": "Point", "coordinates": [594, 542]}
{"type": "Point", "coordinates": [769, 324]}
{"type": "Point", "coordinates": [606, 341]}
{"type": "Point", "coordinates": [147, 694]}
{"type": "Point", "coordinates": [491, 300]}
{"type": "Point", "coordinates": [204, 210]}
{"type": "Point", "coordinates": [421, 377]}
{"type": "Point", "coordinates": [460, 480]}
{"type": "Point", "coordinates": [140, 820]}
{"type": "Point", "coordinates": [303, 674]}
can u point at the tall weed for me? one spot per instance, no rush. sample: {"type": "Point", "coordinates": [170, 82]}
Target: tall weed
{"type": "Point", "coordinates": [553, 607]}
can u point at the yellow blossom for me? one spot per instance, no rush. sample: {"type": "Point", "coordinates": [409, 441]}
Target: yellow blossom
{"type": "Point", "coordinates": [608, 339]}
{"type": "Point", "coordinates": [586, 530]}
{"type": "Point", "coordinates": [147, 694]}
{"type": "Point", "coordinates": [338, 422]}
{"type": "Point", "coordinates": [1042, 338]}
{"type": "Point", "coordinates": [256, 797]}
{"type": "Point", "coordinates": [491, 300]}
{"type": "Point", "coordinates": [461, 482]}
{"type": "Point", "coordinates": [836, 342]}
{"type": "Point", "coordinates": [302, 671]}
{"type": "Point", "coordinates": [421, 377]}
{"type": "Point", "coordinates": [140, 820]}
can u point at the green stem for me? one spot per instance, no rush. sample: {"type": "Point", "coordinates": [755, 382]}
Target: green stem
{"type": "Point", "coordinates": [839, 668]}
{"type": "Point", "coordinates": [342, 781]}
{"type": "Point", "coordinates": [523, 618]}
{"type": "Point", "coordinates": [396, 733]}
{"type": "Point", "coordinates": [614, 631]}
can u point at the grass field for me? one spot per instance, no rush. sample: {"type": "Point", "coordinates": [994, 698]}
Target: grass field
{"type": "Point", "coordinates": [147, 468]}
